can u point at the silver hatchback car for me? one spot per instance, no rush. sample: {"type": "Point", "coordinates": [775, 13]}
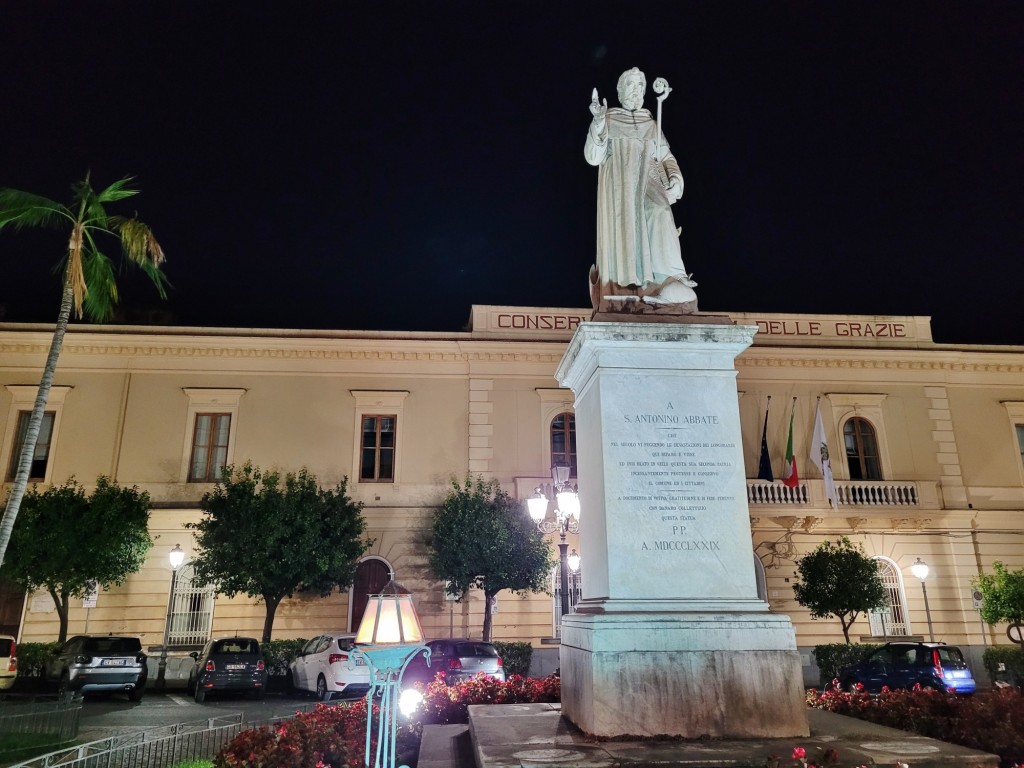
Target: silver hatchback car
{"type": "Point", "coordinates": [94, 664]}
{"type": "Point", "coordinates": [459, 659]}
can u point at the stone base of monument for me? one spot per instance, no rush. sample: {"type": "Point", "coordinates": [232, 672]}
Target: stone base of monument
{"type": "Point", "coordinates": [694, 675]}
{"type": "Point", "coordinates": [670, 638]}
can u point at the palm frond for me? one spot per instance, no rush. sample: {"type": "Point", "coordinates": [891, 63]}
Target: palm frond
{"type": "Point", "coordinates": [23, 209]}
{"type": "Point", "coordinates": [138, 243]}
{"type": "Point", "coordinates": [119, 190]}
{"type": "Point", "coordinates": [101, 298]}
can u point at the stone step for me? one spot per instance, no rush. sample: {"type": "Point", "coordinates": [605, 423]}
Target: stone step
{"type": "Point", "coordinates": [446, 746]}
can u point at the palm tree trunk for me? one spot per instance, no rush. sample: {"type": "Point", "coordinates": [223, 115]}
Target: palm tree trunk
{"type": "Point", "coordinates": [35, 421]}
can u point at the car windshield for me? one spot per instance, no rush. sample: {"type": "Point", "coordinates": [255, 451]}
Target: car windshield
{"type": "Point", "coordinates": [112, 646]}
{"type": "Point", "coordinates": [463, 650]}
{"type": "Point", "coordinates": [236, 645]}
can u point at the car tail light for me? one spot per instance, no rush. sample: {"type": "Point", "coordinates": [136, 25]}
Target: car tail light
{"type": "Point", "coordinates": [260, 666]}
{"type": "Point", "coordinates": [210, 666]}
{"type": "Point", "coordinates": [937, 662]}
{"type": "Point", "coordinates": [83, 660]}
{"type": "Point", "coordinates": [454, 664]}
{"type": "Point", "coordinates": [499, 662]}
{"type": "Point", "coordinates": [13, 666]}
{"type": "Point", "coordinates": [336, 657]}
{"type": "Point", "coordinates": [140, 658]}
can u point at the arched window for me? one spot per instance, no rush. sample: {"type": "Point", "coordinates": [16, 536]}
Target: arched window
{"type": "Point", "coordinates": [892, 621]}
{"type": "Point", "coordinates": [191, 610]}
{"type": "Point", "coordinates": [563, 441]}
{"type": "Point", "coordinates": [372, 575]}
{"type": "Point", "coordinates": [861, 449]}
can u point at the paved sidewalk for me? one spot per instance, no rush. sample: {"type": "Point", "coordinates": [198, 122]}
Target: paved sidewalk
{"type": "Point", "coordinates": [536, 736]}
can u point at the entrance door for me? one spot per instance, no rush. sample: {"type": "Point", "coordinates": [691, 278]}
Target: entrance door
{"type": "Point", "coordinates": [371, 577]}
{"type": "Point", "coordinates": [12, 603]}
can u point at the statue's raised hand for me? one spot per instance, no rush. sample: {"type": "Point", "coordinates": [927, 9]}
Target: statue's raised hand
{"type": "Point", "coordinates": [598, 109]}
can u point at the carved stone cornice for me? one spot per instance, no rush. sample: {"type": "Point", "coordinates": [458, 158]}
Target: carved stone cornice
{"type": "Point", "coordinates": [856, 523]}
{"type": "Point", "coordinates": [811, 522]}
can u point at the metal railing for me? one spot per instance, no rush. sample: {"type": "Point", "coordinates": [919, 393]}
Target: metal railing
{"type": "Point", "coordinates": [159, 747]}
{"type": "Point", "coordinates": [41, 716]}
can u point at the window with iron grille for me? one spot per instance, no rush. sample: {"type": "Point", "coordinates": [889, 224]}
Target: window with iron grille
{"type": "Point", "coordinates": [892, 620]}
{"type": "Point", "coordinates": [563, 441]}
{"type": "Point", "coordinates": [41, 454]}
{"type": "Point", "coordinates": [191, 610]}
{"type": "Point", "coordinates": [377, 449]}
{"type": "Point", "coordinates": [209, 447]}
{"type": "Point", "coordinates": [861, 449]}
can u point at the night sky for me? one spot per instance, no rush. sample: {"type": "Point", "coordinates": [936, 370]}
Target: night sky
{"type": "Point", "coordinates": [310, 165]}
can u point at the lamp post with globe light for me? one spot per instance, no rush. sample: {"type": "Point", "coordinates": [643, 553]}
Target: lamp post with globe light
{"type": "Point", "coordinates": [920, 570]}
{"type": "Point", "coordinates": [567, 520]}
{"type": "Point", "coordinates": [176, 557]}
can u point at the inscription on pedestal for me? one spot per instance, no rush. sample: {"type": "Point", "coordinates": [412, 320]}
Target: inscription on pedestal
{"type": "Point", "coordinates": [675, 470]}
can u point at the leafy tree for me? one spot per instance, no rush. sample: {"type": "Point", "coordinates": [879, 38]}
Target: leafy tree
{"type": "Point", "coordinates": [89, 286]}
{"type": "Point", "coordinates": [65, 539]}
{"type": "Point", "coordinates": [1002, 595]}
{"type": "Point", "coordinates": [269, 537]}
{"type": "Point", "coordinates": [481, 537]}
{"type": "Point", "coordinates": [839, 580]}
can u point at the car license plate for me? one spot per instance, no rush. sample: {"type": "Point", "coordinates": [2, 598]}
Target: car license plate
{"type": "Point", "coordinates": [114, 662]}
{"type": "Point", "coordinates": [234, 666]}
{"type": "Point", "coordinates": [958, 673]}
{"type": "Point", "coordinates": [360, 663]}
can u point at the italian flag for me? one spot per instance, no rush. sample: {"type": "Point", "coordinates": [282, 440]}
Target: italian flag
{"type": "Point", "coordinates": [789, 473]}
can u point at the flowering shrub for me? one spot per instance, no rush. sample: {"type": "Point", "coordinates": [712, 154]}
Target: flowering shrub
{"type": "Point", "coordinates": [443, 703]}
{"type": "Point", "coordinates": [335, 736]}
{"type": "Point", "coordinates": [990, 721]}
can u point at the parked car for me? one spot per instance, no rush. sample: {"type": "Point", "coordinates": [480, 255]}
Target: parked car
{"type": "Point", "coordinates": [904, 665]}
{"type": "Point", "coordinates": [91, 664]}
{"type": "Point", "coordinates": [325, 666]}
{"type": "Point", "coordinates": [228, 664]}
{"type": "Point", "coordinates": [8, 662]}
{"type": "Point", "coordinates": [459, 659]}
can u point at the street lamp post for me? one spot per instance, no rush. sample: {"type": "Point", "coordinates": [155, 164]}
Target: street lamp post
{"type": "Point", "coordinates": [177, 557]}
{"type": "Point", "coordinates": [388, 638]}
{"type": "Point", "coordinates": [920, 570]}
{"type": "Point", "coordinates": [567, 520]}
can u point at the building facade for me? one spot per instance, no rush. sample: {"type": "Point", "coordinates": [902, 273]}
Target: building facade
{"type": "Point", "coordinates": [927, 445]}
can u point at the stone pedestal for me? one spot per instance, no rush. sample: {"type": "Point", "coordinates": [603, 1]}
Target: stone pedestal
{"type": "Point", "coordinates": [670, 637]}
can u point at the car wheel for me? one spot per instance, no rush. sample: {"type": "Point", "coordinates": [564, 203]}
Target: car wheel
{"type": "Point", "coordinates": [191, 686]}
{"type": "Point", "coordinates": [292, 687]}
{"type": "Point", "coordinates": [322, 694]}
{"type": "Point", "coordinates": [135, 694]}
{"type": "Point", "coordinates": [200, 695]}
{"type": "Point", "coordinates": [849, 685]}
{"type": "Point", "coordinates": [64, 686]}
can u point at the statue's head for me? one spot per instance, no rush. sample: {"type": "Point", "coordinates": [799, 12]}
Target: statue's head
{"type": "Point", "coordinates": [631, 87]}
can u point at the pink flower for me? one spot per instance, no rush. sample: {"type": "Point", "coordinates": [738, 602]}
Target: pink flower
{"type": "Point", "coordinates": [799, 753]}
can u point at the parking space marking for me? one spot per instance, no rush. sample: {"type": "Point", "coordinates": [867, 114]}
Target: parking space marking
{"type": "Point", "coordinates": [181, 701]}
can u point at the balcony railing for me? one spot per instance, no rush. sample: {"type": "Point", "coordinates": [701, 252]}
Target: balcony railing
{"type": "Point", "coordinates": [852, 493]}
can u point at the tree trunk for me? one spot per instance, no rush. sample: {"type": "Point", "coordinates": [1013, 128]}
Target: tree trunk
{"type": "Point", "coordinates": [61, 603]}
{"type": "Point", "coordinates": [488, 597]}
{"type": "Point", "coordinates": [34, 422]}
{"type": "Point", "coordinates": [268, 623]}
{"type": "Point", "coordinates": [846, 628]}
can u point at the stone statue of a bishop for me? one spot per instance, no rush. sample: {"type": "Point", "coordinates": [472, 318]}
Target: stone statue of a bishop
{"type": "Point", "coordinates": [639, 260]}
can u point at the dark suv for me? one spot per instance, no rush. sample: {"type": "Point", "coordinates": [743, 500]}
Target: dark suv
{"type": "Point", "coordinates": [92, 664]}
{"type": "Point", "coordinates": [904, 665]}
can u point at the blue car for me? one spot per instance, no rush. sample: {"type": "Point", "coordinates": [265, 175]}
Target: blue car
{"type": "Point", "coordinates": [904, 665]}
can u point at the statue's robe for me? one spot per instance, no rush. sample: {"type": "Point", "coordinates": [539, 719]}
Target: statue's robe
{"type": "Point", "coordinates": [637, 239]}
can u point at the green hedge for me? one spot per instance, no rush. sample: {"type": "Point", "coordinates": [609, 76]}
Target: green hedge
{"type": "Point", "coordinates": [515, 657]}
{"type": "Point", "coordinates": [278, 654]}
{"type": "Point", "coordinates": [1011, 656]}
{"type": "Point", "coordinates": [833, 657]}
{"type": "Point", "coordinates": [32, 657]}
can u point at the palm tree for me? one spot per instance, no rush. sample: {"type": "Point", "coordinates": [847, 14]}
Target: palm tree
{"type": "Point", "coordinates": [89, 286]}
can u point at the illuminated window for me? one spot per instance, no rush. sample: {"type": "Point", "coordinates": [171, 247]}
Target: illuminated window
{"type": "Point", "coordinates": [209, 447]}
{"type": "Point", "coordinates": [563, 441]}
{"type": "Point", "coordinates": [891, 621]}
{"type": "Point", "coordinates": [861, 449]}
{"type": "Point", "coordinates": [41, 455]}
{"type": "Point", "coordinates": [377, 449]}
